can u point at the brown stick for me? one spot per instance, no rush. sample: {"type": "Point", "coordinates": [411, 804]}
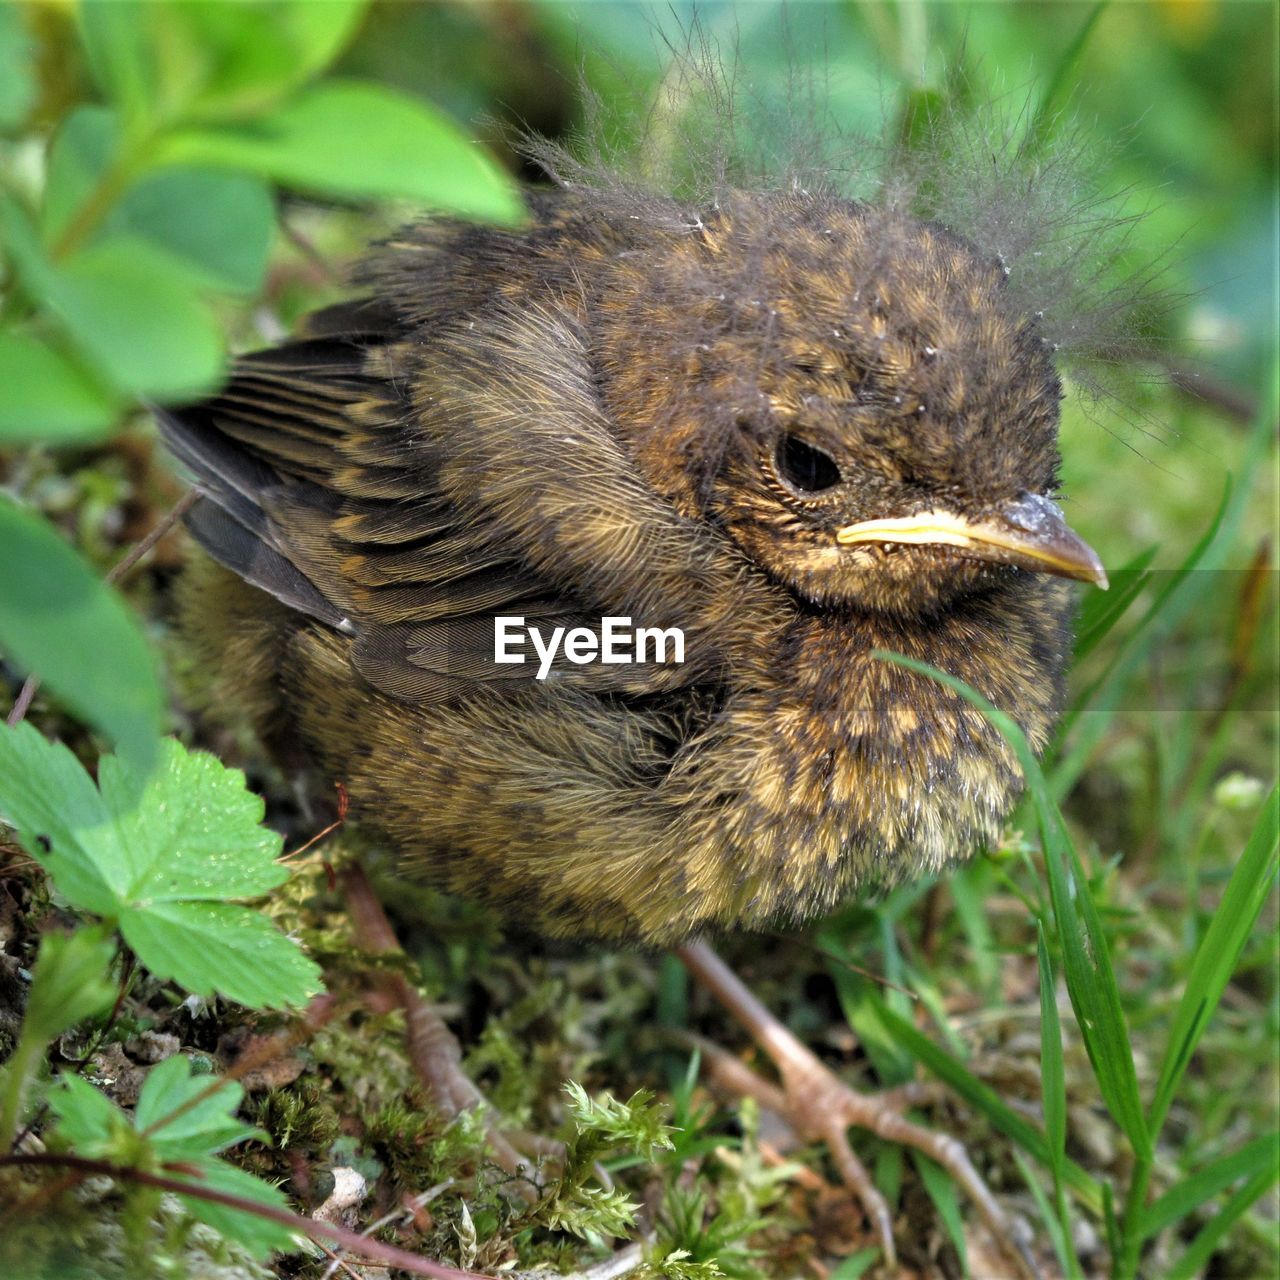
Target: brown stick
{"type": "Point", "coordinates": [433, 1050]}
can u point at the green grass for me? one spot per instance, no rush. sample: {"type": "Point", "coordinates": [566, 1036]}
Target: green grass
{"type": "Point", "coordinates": [1098, 995]}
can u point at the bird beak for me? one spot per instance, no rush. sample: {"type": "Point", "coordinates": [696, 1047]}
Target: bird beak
{"type": "Point", "coordinates": [1030, 533]}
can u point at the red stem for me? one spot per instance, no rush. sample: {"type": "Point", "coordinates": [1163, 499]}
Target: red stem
{"type": "Point", "coordinates": [353, 1242]}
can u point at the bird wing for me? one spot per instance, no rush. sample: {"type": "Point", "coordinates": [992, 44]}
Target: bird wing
{"type": "Point", "coordinates": [317, 483]}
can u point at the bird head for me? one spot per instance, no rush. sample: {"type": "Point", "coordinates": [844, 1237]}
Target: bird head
{"type": "Point", "coordinates": [850, 395]}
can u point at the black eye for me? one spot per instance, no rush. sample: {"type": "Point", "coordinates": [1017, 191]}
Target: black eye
{"type": "Point", "coordinates": [805, 467]}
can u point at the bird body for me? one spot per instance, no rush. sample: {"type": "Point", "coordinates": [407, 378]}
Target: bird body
{"type": "Point", "coordinates": [797, 428]}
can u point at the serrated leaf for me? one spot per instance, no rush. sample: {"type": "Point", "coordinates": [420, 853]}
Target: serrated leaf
{"type": "Point", "coordinates": [182, 1128]}
{"type": "Point", "coordinates": [61, 621]}
{"type": "Point", "coordinates": [189, 830]}
{"type": "Point", "coordinates": [48, 399]}
{"type": "Point", "coordinates": [157, 852]}
{"type": "Point", "coordinates": [215, 946]}
{"type": "Point", "coordinates": [87, 1120]}
{"type": "Point", "coordinates": [161, 1133]}
{"type": "Point", "coordinates": [259, 1235]}
{"type": "Point", "coordinates": [363, 141]}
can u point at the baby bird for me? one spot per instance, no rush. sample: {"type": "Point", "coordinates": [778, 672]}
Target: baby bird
{"type": "Point", "coordinates": [792, 427]}
{"type": "Point", "coordinates": [796, 429]}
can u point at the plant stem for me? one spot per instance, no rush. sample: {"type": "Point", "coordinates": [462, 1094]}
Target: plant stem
{"type": "Point", "coordinates": [1132, 1235]}
{"type": "Point", "coordinates": [362, 1246]}
{"type": "Point", "coordinates": [21, 1067]}
{"type": "Point", "coordinates": [106, 191]}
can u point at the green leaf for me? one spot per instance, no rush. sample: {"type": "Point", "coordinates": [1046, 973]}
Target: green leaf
{"type": "Point", "coordinates": [216, 226]}
{"type": "Point", "coordinates": [71, 981]}
{"type": "Point", "coordinates": [319, 32]}
{"type": "Point", "coordinates": [362, 141]}
{"type": "Point", "coordinates": [208, 946]}
{"type": "Point", "coordinates": [175, 1125]}
{"type": "Point", "coordinates": [88, 1121]}
{"type": "Point", "coordinates": [126, 306]}
{"type": "Point", "coordinates": [1053, 1094]}
{"type": "Point", "coordinates": [942, 1192]}
{"type": "Point", "coordinates": [158, 853]}
{"type": "Point", "coordinates": [259, 1235]}
{"type": "Point", "coordinates": [48, 398]}
{"type": "Point", "coordinates": [83, 148]}
{"type": "Point", "coordinates": [1056, 1227]}
{"type": "Point", "coordinates": [186, 1116]}
{"type": "Point", "coordinates": [48, 798]}
{"type": "Point", "coordinates": [192, 831]}
{"type": "Point", "coordinates": [1219, 952]}
{"type": "Point", "coordinates": [1135, 642]}
{"type": "Point", "coordinates": [131, 311]}
{"type": "Point", "coordinates": [1053, 1088]}
{"type": "Point", "coordinates": [1186, 1196]}
{"type": "Point", "coordinates": [115, 37]}
{"type": "Point", "coordinates": [241, 60]}
{"type": "Point", "coordinates": [1201, 1249]}
{"type": "Point", "coordinates": [1100, 611]}
{"type": "Point", "coordinates": [17, 60]}
{"type": "Point", "coordinates": [985, 1100]}
{"type": "Point", "coordinates": [59, 620]}
{"type": "Point", "coordinates": [856, 1265]}
{"type": "Point", "coordinates": [1091, 979]}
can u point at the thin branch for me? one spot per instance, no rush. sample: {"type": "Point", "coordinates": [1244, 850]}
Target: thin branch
{"type": "Point", "coordinates": [353, 1242]}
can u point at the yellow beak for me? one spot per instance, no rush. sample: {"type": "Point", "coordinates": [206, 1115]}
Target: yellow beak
{"type": "Point", "coordinates": [1030, 533]}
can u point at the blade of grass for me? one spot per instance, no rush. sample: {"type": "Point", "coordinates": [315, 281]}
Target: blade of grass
{"type": "Point", "coordinates": [1189, 1194]}
{"type": "Point", "coordinates": [969, 890]}
{"type": "Point", "coordinates": [1178, 594]}
{"type": "Point", "coordinates": [985, 1100]}
{"type": "Point", "coordinates": [856, 1265]}
{"type": "Point", "coordinates": [1047, 114]}
{"type": "Point", "coordinates": [1219, 952]}
{"type": "Point", "coordinates": [942, 1191]}
{"type": "Point", "coordinates": [1057, 1229]}
{"type": "Point", "coordinates": [922, 983]}
{"type": "Point", "coordinates": [1053, 1077]}
{"type": "Point", "coordinates": [1201, 1249]}
{"type": "Point", "coordinates": [1091, 980]}
{"type": "Point", "coordinates": [1100, 611]}
{"type": "Point", "coordinates": [1128, 651]}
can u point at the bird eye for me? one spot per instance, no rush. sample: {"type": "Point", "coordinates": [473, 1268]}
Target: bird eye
{"type": "Point", "coordinates": [804, 467]}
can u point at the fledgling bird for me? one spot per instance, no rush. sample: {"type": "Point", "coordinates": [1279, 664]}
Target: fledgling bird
{"type": "Point", "coordinates": [797, 427]}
